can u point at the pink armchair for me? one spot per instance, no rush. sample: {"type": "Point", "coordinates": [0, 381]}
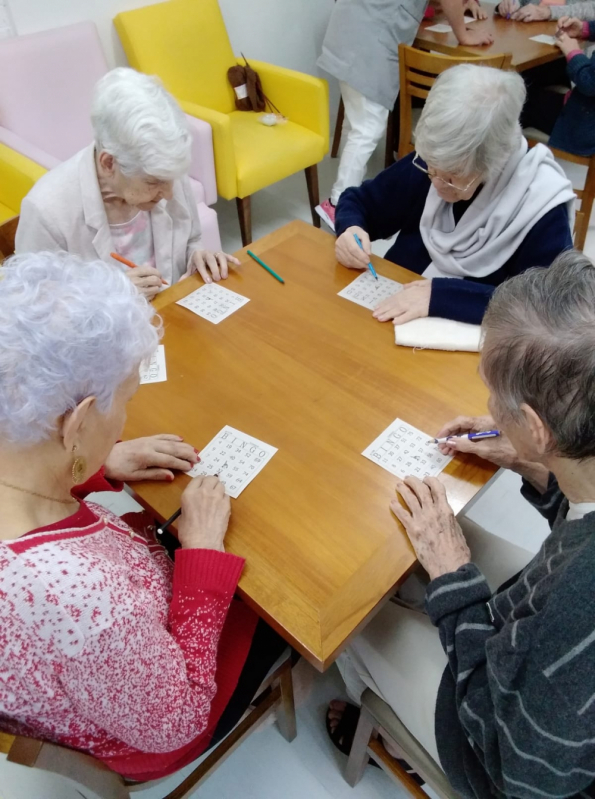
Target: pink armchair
{"type": "Point", "coordinates": [46, 82]}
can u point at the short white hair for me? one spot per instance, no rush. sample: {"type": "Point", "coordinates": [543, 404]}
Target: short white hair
{"type": "Point", "coordinates": [68, 330]}
{"type": "Point", "coordinates": [469, 125]}
{"type": "Point", "coordinates": [141, 125]}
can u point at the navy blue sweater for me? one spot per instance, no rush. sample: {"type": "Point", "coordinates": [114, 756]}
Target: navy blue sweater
{"type": "Point", "coordinates": [394, 201]}
{"type": "Point", "coordinates": [574, 130]}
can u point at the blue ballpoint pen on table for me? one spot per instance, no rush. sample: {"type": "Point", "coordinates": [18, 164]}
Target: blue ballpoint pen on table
{"type": "Point", "coordinates": [470, 436]}
{"type": "Point", "coordinates": [361, 246]}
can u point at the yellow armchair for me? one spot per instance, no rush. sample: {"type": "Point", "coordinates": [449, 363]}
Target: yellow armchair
{"type": "Point", "coordinates": [185, 42]}
{"type": "Point", "coordinates": [17, 176]}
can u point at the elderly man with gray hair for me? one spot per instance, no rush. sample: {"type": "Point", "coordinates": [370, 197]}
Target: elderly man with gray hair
{"type": "Point", "coordinates": [515, 706]}
{"type": "Point", "coordinates": [472, 207]}
{"type": "Point", "coordinates": [127, 192]}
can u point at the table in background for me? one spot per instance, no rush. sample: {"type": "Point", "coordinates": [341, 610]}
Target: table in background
{"type": "Point", "coordinates": [316, 376]}
{"type": "Point", "coordinates": [509, 37]}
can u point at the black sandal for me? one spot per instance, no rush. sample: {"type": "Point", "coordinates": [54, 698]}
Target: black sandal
{"type": "Point", "coordinates": [344, 733]}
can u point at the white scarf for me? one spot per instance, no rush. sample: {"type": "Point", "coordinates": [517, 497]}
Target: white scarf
{"type": "Point", "coordinates": [495, 224]}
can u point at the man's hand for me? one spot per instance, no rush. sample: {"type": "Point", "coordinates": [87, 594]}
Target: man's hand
{"type": "Point", "coordinates": [147, 280]}
{"type": "Point", "coordinates": [210, 265]}
{"type": "Point", "coordinates": [151, 458]}
{"type": "Point", "coordinates": [472, 7]}
{"type": "Point", "coordinates": [412, 302]}
{"type": "Point", "coordinates": [349, 253]}
{"type": "Point", "coordinates": [531, 13]}
{"type": "Point", "coordinates": [431, 525]}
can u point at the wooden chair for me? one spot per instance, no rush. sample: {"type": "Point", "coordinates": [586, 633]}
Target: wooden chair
{"type": "Point", "coordinates": [378, 719]}
{"type": "Point", "coordinates": [85, 772]}
{"type": "Point", "coordinates": [8, 231]}
{"type": "Point", "coordinates": [388, 151]}
{"type": "Point", "coordinates": [418, 71]}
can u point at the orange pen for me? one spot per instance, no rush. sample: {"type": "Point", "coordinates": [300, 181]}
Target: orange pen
{"type": "Point", "coordinates": [132, 265]}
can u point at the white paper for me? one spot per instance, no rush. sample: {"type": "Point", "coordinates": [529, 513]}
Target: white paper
{"type": "Point", "coordinates": [213, 302]}
{"type": "Point", "coordinates": [403, 450]}
{"type": "Point", "coordinates": [235, 457]}
{"type": "Point", "coordinates": [543, 38]}
{"type": "Point", "coordinates": [367, 291]}
{"type": "Point", "coordinates": [442, 27]}
{"type": "Point", "coordinates": [153, 370]}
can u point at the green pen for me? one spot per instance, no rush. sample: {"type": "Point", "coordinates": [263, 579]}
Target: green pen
{"type": "Point", "coordinates": [264, 266]}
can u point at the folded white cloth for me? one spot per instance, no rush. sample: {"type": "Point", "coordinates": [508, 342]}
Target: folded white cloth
{"type": "Point", "coordinates": [433, 333]}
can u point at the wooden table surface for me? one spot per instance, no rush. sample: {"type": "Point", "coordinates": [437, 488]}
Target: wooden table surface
{"type": "Point", "coordinates": [509, 37]}
{"type": "Point", "coordinates": [316, 376]}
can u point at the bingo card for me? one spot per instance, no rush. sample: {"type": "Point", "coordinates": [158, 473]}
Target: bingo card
{"type": "Point", "coordinates": [367, 291]}
{"type": "Point", "coordinates": [153, 369]}
{"type": "Point", "coordinates": [236, 457]}
{"type": "Point", "coordinates": [213, 303]}
{"type": "Point", "coordinates": [403, 450]}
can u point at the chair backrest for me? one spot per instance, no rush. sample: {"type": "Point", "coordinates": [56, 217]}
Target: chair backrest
{"type": "Point", "coordinates": [46, 84]}
{"type": "Point", "coordinates": [185, 42]}
{"type": "Point", "coordinates": [418, 71]}
{"type": "Point", "coordinates": [8, 232]}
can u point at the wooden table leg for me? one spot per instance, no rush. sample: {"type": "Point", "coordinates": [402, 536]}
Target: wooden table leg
{"type": "Point", "coordinates": [313, 192]}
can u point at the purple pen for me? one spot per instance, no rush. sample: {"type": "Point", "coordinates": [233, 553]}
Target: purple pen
{"type": "Point", "coordinates": [470, 436]}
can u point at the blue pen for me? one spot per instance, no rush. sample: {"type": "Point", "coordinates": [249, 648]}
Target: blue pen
{"type": "Point", "coordinates": [361, 246]}
{"type": "Point", "coordinates": [470, 436]}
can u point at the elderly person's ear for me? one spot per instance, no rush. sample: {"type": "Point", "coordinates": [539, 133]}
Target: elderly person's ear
{"type": "Point", "coordinates": [74, 421]}
{"type": "Point", "coordinates": [537, 430]}
{"type": "Point", "coordinates": [107, 163]}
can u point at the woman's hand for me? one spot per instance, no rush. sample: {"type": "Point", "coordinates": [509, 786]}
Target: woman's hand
{"type": "Point", "coordinates": [210, 265]}
{"type": "Point", "coordinates": [566, 43]}
{"type": "Point", "coordinates": [476, 11]}
{"type": "Point", "coordinates": [531, 13]}
{"type": "Point", "coordinates": [147, 280]}
{"type": "Point", "coordinates": [349, 253]}
{"type": "Point", "coordinates": [150, 458]}
{"type": "Point", "coordinates": [412, 302]}
{"type": "Point", "coordinates": [571, 26]}
{"type": "Point", "coordinates": [507, 8]}
{"type": "Point", "coordinates": [206, 509]}
{"type": "Point", "coordinates": [476, 38]}
{"type": "Point", "coordinates": [431, 525]}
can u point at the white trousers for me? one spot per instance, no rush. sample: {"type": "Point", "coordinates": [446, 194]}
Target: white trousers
{"type": "Point", "coordinates": [399, 655]}
{"type": "Point", "coordinates": [367, 124]}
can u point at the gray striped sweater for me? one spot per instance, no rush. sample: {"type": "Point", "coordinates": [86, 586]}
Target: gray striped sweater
{"type": "Point", "coordinates": [580, 10]}
{"type": "Point", "coordinates": [515, 715]}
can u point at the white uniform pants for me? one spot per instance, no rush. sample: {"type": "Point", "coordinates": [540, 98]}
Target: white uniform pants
{"type": "Point", "coordinates": [367, 124]}
{"type": "Point", "coordinates": [399, 655]}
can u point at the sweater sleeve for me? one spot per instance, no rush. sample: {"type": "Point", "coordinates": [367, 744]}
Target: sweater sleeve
{"type": "Point", "coordinates": [97, 482]}
{"type": "Point", "coordinates": [149, 685]}
{"type": "Point", "coordinates": [581, 71]}
{"type": "Point", "coordinates": [584, 10]}
{"type": "Point", "coordinates": [529, 748]}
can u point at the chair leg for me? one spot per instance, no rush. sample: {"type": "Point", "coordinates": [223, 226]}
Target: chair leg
{"type": "Point", "coordinates": [286, 710]}
{"type": "Point", "coordinates": [358, 757]}
{"type": "Point", "coordinates": [245, 217]}
{"type": "Point", "coordinates": [389, 153]}
{"type": "Point", "coordinates": [586, 208]}
{"type": "Point", "coordinates": [313, 192]}
{"type": "Point", "coordinates": [338, 129]}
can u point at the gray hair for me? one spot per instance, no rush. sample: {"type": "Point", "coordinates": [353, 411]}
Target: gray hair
{"type": "Point", "coordinates": [138, 122]}
{"type": "Point", "coordinates": [540, 350]}
{"type": "Point", "coordinates": [470, 123]}
{"type": "Point", "coordinates": [68, 330]}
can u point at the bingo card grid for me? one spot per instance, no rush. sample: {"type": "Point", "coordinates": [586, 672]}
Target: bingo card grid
{"type": "Point", "coordinates": [368, 292]}
{"type": "Point", "coordinates": [213, 302]}
{"type": "Point", "coordinates": [403, 450]}
{"type": "Point", "coordinates": [236, 457]}
{"type": "Point", "coordinates": [154, 370]}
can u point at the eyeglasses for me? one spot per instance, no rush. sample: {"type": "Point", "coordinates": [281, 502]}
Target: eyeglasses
{"type": "Point", "coordinates": [445, 182]}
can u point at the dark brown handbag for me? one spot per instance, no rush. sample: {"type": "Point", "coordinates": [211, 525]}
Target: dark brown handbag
{"type": "Point", "coordinates": [247, 87]}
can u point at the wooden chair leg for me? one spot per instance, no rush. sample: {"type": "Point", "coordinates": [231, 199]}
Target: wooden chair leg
{"type": "Point", "coordinates": [358, 757]}
{"type": "Point", "coordinates": [389, 153]}
{"type": "Point", "coordinates": [313, 192]}
{"type": "Point", "coordinates": [338, 129]}
{"type": "Point", "coordinates": [582, 227]}
{"type": "Point", "coordinates": [245, 217]}
{"type": "Point", "coordinates": [286, 710]}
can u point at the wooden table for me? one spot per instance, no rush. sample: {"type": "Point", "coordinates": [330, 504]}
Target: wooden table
{"type": "Point", "coordinates": [316, 376]}
{"type": "Point", "coordinates": [509, 37]}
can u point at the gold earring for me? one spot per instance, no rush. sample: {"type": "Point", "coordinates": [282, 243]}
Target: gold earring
{"type": "Point", "coordinates": [79, 467]}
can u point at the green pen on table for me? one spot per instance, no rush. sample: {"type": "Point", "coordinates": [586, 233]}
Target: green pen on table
{"type": "Point", "coordinates": [361, 246]}
{"type": "Point", "coordinates": [264, 266]}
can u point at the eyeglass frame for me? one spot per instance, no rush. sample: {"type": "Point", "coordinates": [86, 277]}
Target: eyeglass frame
{"type": "Point", "coordinates": [426, 171]}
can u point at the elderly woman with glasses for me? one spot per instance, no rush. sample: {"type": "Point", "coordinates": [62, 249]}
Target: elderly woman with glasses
{"type": "Point", "coordinates": [107, 646]}
{"type": "Point", "coordinates": [472, 207]}
{"type": "Point", "coordinates": [127, 192]}
{"type": "Point", "coordinates": [499, 685]}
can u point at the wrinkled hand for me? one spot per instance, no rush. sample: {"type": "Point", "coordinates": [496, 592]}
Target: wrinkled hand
{"type": "Point", "coordinates": [497, 450]}
{"type": "Point", "coordinates": [532, 13]}
{"type": "Point", "coordinates": [476, 11]}
{"type": "Point", "coordinates": [349, 253]}
{"type": "Point", "coordinates": [151, 458]}
{"type": "Point", "coordinates": [571, 26]}
{"type": "Point", "coordinates": [147, 280]}
{"type": "Point", "coordinates": [412, 302]}
{"type": "Point", "coordinates": [206, 509]}
{"type": "Point", "coordinates": [476, 38]}
{"type": "Point", "coordinates": [566, 43]}
{"type": "Point", "coordinates": [210, 265]}
{"type": "Point", "coordinates": [507, 7]}
{"type": "Point", "coordinates": [431, 525]}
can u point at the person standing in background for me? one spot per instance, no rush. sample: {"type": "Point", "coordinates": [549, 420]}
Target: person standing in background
{"type": "Point", "coordinates": [361, 50]}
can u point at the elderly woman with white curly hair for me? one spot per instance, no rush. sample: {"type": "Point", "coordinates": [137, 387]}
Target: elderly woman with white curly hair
{"type": "Point", "coordinates": [108, 647]}
{"type": "Point", "coordinates": [472, 207]}
{"type": "Point", "coordinates": [127, 192]}
{"type": "Point", "coordinates": [499, 685]}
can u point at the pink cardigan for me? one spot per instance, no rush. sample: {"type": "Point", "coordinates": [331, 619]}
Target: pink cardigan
{"type": "Point", "coordinates": [65, 211]}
